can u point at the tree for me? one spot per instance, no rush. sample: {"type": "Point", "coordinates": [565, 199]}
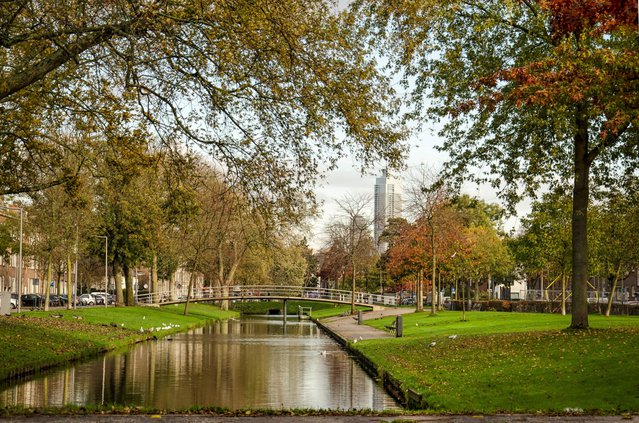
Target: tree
{"type": "Point", "coordinates": [289, 265]}
{"type": "Point", "coordinates": [550, 96]}
{"type": "Point", "coordinates": [121, 194]}
{"type": "Point", "coordinates": [488, 255]}
{"type": "Point", "coordinates": [267, 84]}
{"type": "Point", "coordinates": [544, 244]}
{"type": "Point", "coordinates": [428, 197]}
{"type": "Point", "coordinates": [616, 232]}
{"type": "Point", "coordinates": [353, 233]}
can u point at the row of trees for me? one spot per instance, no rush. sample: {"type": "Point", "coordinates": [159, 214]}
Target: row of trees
{"type": "Point", "coordinates": [528, 92]}
{"type": "Point", "coordinates": [100, 101]}
{"type": "Point", "coordinates": [158, 212]}
{"type": "Point", "coordinates": [455, 239]}
{"type": "Point", "coordinates": [459, 243]}
{"type": "Point", "coordinates": [544, 248]}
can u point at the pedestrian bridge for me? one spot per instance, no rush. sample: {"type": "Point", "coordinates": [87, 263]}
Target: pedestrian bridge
{"type": "Point", "coordinates": [267, 292]}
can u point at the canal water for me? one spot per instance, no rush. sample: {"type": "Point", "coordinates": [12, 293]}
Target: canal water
{"type": "Point", "coordinates": [247, 363]}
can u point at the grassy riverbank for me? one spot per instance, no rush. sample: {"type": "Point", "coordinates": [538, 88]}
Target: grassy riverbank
{"type": "Point", "coordinates": [513, 362]}
{"type": "Point", "coordinates": [36, 340]}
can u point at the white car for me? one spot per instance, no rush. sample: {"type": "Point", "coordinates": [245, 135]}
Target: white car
{"type": "Point", "coordinates": [86, 299]}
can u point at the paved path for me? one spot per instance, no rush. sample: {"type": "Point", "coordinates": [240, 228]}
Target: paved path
{"type": "Point", "coordinates": [348, 329]}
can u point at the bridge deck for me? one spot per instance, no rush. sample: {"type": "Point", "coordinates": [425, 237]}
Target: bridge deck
{"type": "Point", "coordinates": [269, 292]}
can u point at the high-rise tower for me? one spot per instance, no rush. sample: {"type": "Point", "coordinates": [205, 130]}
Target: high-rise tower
{"type": "Point", "coordinates": [388, 204]}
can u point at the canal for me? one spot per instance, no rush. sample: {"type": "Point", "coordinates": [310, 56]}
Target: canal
{"type": "Point", "coordinates": [246, 363]}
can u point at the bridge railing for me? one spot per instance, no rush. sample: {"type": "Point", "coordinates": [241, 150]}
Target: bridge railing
{"type": "Point", "coordinates": [266, 292]}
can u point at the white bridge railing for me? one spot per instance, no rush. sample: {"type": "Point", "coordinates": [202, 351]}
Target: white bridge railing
{"type": "Point", "coordinates": [239, 292]}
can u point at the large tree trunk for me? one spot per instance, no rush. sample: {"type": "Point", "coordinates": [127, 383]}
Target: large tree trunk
{"type": "Point", "coordinates": [612, 291]}
{"type": "Point", "coordinates": [69, 284]}
{"type": "Point", "coordinates": [580, 224]}
{"type": "Point", "coordinates": [129, 300]}
{"type": "Point", "coordinates": [172, 286]}
{"type": "Point", "coordinates": [463, 301]}
{"type": "Point", "coordinates": [189, 292]}
{"type": "Point", "coordinates": [154, 280]}
{"type": "Point", "coordinates": [353, 289]}
{"type": "Point", "coordinates": [419, 285]}
{"type": "Point", "coordinates": [117, 279]}
{"type": "Point", "coordinates": [434, 288]}
{"type": "Point", "coordinates": [47, 283]}
{"type": "Point", "coordinates": [563, 293]}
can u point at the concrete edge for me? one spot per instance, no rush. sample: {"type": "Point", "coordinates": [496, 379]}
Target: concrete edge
{"type": "Point", "coordinates": [405, 397]}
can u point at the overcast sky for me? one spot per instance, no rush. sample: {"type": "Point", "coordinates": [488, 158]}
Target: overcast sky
{"type": "Point", "coordinates": [347, 181]}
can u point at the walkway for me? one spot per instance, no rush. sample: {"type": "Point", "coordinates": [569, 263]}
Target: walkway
{"type": "Point", "coordinates": [347, 328]}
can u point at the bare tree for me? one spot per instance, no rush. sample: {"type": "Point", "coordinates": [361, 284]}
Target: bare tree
{"type": "Point", "coordinates": [355, 231]}
{"type": "Point", "coordinates": [427, 196]}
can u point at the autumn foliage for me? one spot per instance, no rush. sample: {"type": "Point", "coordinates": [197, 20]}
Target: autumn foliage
{"type": "Point", "coordinates": [573, 16]}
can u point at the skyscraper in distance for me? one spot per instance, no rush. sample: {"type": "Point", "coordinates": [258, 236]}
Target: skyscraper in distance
{"type": "Point", "coordinates": [388, 204]}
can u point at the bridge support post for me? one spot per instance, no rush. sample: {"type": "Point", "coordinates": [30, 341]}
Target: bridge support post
{"type": "Point", "coordinates": [360, 317]}
{"type": "Point", "coordinates": [284, 310]}
{"type": "Point", "coordinates": [399, 326]}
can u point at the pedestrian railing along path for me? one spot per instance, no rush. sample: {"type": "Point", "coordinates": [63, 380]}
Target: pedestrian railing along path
{"type": "Point", "coordinates": [267, 292]}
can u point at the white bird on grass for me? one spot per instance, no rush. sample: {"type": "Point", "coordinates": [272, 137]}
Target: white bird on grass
{"type": "Point", "coordinates": [452, 337]}
{"type": "Point", "coordinates": [432, 344]}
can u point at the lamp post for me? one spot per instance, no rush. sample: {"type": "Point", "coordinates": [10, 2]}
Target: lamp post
{"type": "Point", "coordinates": [19, 267]}
{"type": "Point", "coordinates": [106, 268]}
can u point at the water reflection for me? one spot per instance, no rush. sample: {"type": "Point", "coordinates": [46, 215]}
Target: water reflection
{"type": "Point", "coordinates": [240, 363]}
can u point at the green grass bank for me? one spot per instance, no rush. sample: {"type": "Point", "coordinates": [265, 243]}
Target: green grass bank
{"type": "Point", "coordinates": [37, 340]}
{"type": "Point", "coordinates": [512, 362]}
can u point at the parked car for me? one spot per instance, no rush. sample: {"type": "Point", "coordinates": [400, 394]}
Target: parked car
{"type": "Point", "coordinates": [86, 299]}
{"type": "Point", "coordinates": [407, 301]}
{"type": "Point", "coordinates": [99, 298]}
{"type": "Point", "coordinates": [57, 301]}
{"type": "Point", "coordinates": [32, 300]}
{"type": "Point", "coordinates": [75, 298]}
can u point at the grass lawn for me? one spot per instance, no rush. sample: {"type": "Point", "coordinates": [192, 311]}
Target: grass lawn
{"type": "Point", "coordinates": [36, 340]}
{"type": "Point", "coordinates": [513, 362]}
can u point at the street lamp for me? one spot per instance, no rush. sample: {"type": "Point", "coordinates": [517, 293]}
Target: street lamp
{"type": "Point", "coordinates": [106, 268]}
{"type": "Point", "coordinates": [19, 276]}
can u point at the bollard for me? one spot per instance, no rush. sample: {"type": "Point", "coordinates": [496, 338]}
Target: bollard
{"type": "Point", "coordinates": [399, 326]}
{"type": "Point", "coordinates": [360, 317]}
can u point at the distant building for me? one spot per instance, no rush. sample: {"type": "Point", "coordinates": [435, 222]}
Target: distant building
{"type": "Point", "coordinates": [388, 204]}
